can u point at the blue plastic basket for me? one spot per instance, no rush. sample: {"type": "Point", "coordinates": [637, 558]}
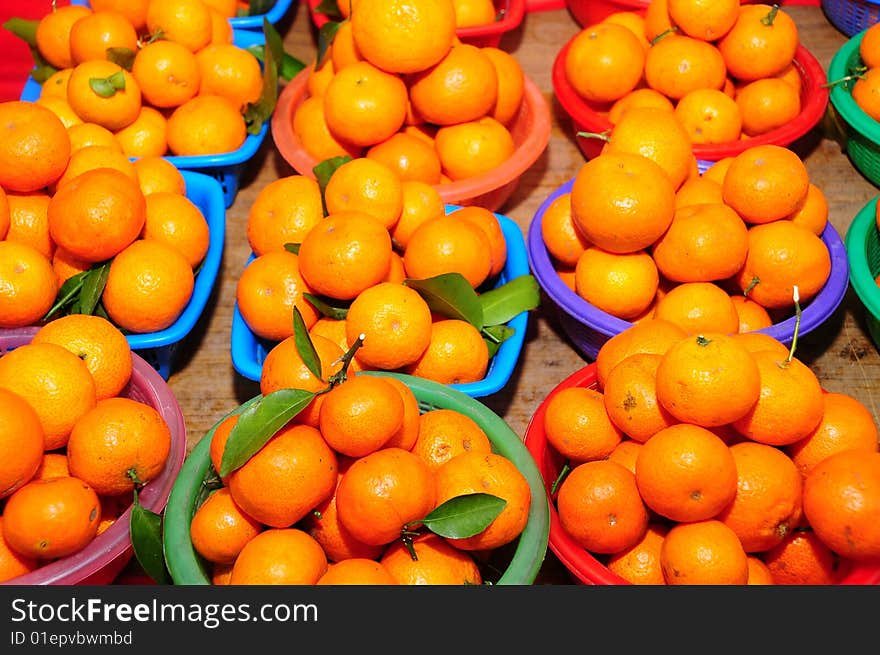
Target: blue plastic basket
{"type": "Point", "coordinates": [226, 168]}
{"type": "Point", "coordinates": [851, 16]}
{"type": "Point", "coordinates": [159, 348]}
{"type": "Point", "coordinates": [249, 351]}
{"type": "Point", "coordinates": [274, 15]}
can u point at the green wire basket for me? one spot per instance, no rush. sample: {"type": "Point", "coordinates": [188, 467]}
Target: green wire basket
{"type": "Point", "coordinates": [522, 566]}
{"type": "Point", "coordinates": [860, 132]}
{"type": "Point", "coordinates": [863, 250]}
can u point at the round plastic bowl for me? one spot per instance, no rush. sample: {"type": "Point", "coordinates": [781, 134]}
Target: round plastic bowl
{"type": "Point", "coordinates": [589, 117]}
{"type": "Point", "coordinates": [589, 327]}
{"type": "Point", "coordinates": [102, 560]}
{"type": "Point", "coordinates": [274, 15]}
{"type": "Point", "coordinates": [862, 132]}
{"type": "Point", "coordinates": [509, 16]}
{"type": "Point", "coordinates": [530, 130]}
{"type": "Point", "coordinates": [580, 563]}
{"type": "Point", "coordinates": [851, 16]}
{"type": "Point", "coordinates": [188, 568]}
{"type": "Point", "coordinates": [863, 250]}
{"type": "Point", "coordinates": [248, 351]}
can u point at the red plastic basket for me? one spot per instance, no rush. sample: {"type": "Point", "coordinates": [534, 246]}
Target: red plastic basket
{"type": "Point", "coordinates": [589, 117]}
{"type": "Point", "coordinates": [582, 565]}
{"type": "Point", "coordinates": [510, 15]}
{"type": "Point", "coordinates": [108, 553]}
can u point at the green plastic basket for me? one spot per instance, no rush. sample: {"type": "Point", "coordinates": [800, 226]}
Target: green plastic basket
{"type": "Point", "coordinates": [863, 250]}
{"type": "Point", "coordinates": [861, 132]}
{"type": "Point", "coordinates": [188, 568]}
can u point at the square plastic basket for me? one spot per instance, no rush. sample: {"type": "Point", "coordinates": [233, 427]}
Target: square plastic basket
{"type": "Point", "coordinates": [588, 327]}
{"type": "Point", "coordinates": [278, 11]}
{"type": "Point", "coordinates": [510, 15]}
{"type": "Point", "coordinates": [851, 16]}
{"type": "Point", "coordinates": [863, 250]}
{"type": "Point", "coordinates": [159, 348]}
{"type": "Point", "coordinates": [248, 351]}
{"type": "Point", "coordinates": [105, 557]}
{"type": "Point", "coordinates": [226, 168]}
{"type": "Point", "coordinates": [861, 132]}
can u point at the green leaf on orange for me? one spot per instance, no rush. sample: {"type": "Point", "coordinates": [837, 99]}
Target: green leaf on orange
{"type": "Point", "coordinates": [511, 298]}
{"type": "Point", "coordinates": [290, 65]}
{"type": "Point", "coordinates": [337, 312]}
{"type": "Point", "coordinates": [92, 289]}
{"type": "Point", "coordinates": [256, 114]}
{"type": "Point", "coordinates": [451, 295]}
{"type": "Point", "coordinates": [259, 423]}
{"type": "Point", "coordinates": [324, 170]}
{"type": "Point", "coordinates": [304, 345]}
{"type": "Point", "coordinates": [145, 531]}
{"type": "Point", "coordinates": [123, 57]}
{"type": "Point", "coordinates": [259, 7]}
{"type": "Point", "coordinates": [325, 38]}
{"type": "Point", "coordinates": [464, 516]}
{"type": "Point", "coordinates": [329, 8]}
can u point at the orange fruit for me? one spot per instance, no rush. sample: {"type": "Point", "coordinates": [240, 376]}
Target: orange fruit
{"type": "Point", "coordinates": [752, 316]}
{"type": "Point", "coordinates": [437, 562]}
{"type": "Point", "coordinates": [489, 223]}
{"type": "Point", "coordinates": [625, 453]}
{"type": "Point", "coordinates": [359, 415]}
{"type": "Point", "coordinates": [445, 245]}
{"type": "Point", "coordinates": [96, 341]}
{"type": "Point", "coordinates": [709, 380]}
{"type": "Point", "coordinates": [491, 473]}
{"type": "Point", "coordinates": [630, 397]}
{"type": "Point", "coordinates": [282, 482]}
{"type": "Point", "coordinates": [395, 322]}
{"type": "Point", "coordinates": [710, 116]}
{"type": "Point", "coordinates": [765, 183]}
{"type": "Point", "coordinates": [703, 553]}
{"type": "Point", "coordinates": [639, 97]}
{"type": "Point", "coordinates": [462, 87]}
{"type": "Point", "coordinates": [622, 202]}
{"type": "Point", "coordinates": [176, 220]}
{"type": "Point", "coordinates": [404, 36]}
{"type": "Point", "coordinates": [759, 572]}
{"type": "Point", "coordinates": [158, 174]}
{"type": "Point", "coordinates": [219, 529]}
{"type": "Point", "coordinates": [90, 158]}
{"type": "Point", "coordinates": [52, 465]}
{"type": "Point", "coordinates": [218, 443]}
{"type": "Point", "coordinates": [699, 307]}
{"type": "Point", "coordinates": [408, 433]}
{"type": "Point", "coordinates": [578, 426]}
{"type": "Point", "coordinates": [55, 382]}
{"type": "Point", "coordinates": [678, 64]}
{"type": "Point", "coordinates": [281, 556]}
{"type": "Point", "coordinates": [621, 284]}
{"type": "Point", "coordinates": [310, 126]}
{"type": "Point", "coordinates": [511, 84]}
{"type": "Point", "coordinates": [133, 10]}
{"type": "Point", "coordinates": [269, 289]}
{"type": "Point", "coordinates": [409, 157]}
{"type": "Point", "coordinates": [767, 505]}
{"type": "Point", "coordinates": [755, 341]}
{"type": "Point", "coordinates": [344, 254]}
{"type": "Point", "coordinates": [117, 444]}
{"type": "Point", "coordinates": [47, 519]}
{"type": "Point", "coordinates": [27, 285]}
{"type": "Point", "coordinates": [114, 105]}
{"type": "Point", "coordinates": [562, 239]}
{"type": "Point", "coordinates": [206, 125]}
{"type": "Point", "coordinates": [12, 564]}
{"type": "Point", "coordinates": [167, 73]}
{"type": "Point", "coordinates": [783, 254]}
{"type": "Point", "coordinates": [53, 34]}
{"type": "Point", "coordinates": [698, 191]}
{"type": "Point", "coordinates": [22, 437]}
{"type": "Point", "coordinates": [148, 286]}
{"type": "Point", "coordinates": [761, 43]}
{"type": "Point", "coordinates": [343, 51]}
{"type": "Point", "coordinates": [356, 571]}
{"type": "Point", "coordinates": [802, 559]}
{"type": "Point", "coordinates": [456, 354]}
{"type": "Point", "coordinates": [767, 104]}
{"type": "Point", "coordinates": [283, 211]}
{"type": "Point", "coordinates": [846, 425]}
{"type": "Point", "coordinates": [813, 212]}
{"type": "Point", "coordinates": [382, 492]}
{"type": "Point", "coordinates": [445, 433]}
{"type": "Point", "coordinates": [364, 105]}
{"type": "Point", "coordinates": [640, 563]}
{"type": "Point", "coordinates": [650, 336]}
{"type": "Point", "coordinates": [473, 148]}
{"type": "Point", "coordinates": [604, 62]}
{"type": "Point", "coordinates": [472, 13]}
{"type": "Point", "coordinates": [67, 265]}
{"type": "Point", "coordinates": [147, 136]}
{"type": "Point", "coordinates": [841, 496]}
{"type": "Point", "coordinates": [708, 20]}
{"type": "Point", "coordinates": [230, 71]}
{"type": "Point", "coordinates": [187, 22]}
{"type": "Point", "coordinates": [421, 201]}
{"type": "Point", "coordinates": [283, 368]}
{"type": "Point", "coordinates": [34, 146]}
{"type": "Point", "coordinates": [600, 508]}
{"type": "Point", "coordinates": [368, 186]}
{"type": "Point", "coordinates": [790, 406]}
{"type": "Point", "coordinates": [96, 32]}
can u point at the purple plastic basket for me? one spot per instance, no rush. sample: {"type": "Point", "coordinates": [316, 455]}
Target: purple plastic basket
{"type": "Point", "coordinates": [588, 327]}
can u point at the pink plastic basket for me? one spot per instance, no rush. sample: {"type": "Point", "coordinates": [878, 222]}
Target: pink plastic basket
{"type": "Point", "coordinates": [103, 559]}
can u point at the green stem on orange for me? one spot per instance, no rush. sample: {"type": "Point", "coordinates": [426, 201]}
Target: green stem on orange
{"type": "Point", "coordinates": [664, 34]}
{"type": "Point", "coordinates": [797, 323]}
{"type": "Point", "coordinates": [703, 341]}
{"type": "Point", "coordinates": [553, 487]}
{"type": "Point", "coordinates": [857, 74]}
{"type": "Point", "coordinates": [754, 282]}
{"type": "Point", "coordinates": [604, 136]}
{"type": "Point", "coordinates": [771, 16]}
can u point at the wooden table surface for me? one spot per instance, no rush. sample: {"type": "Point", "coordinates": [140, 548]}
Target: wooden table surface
{"type": "Point", "coordinates": [841, 352]}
